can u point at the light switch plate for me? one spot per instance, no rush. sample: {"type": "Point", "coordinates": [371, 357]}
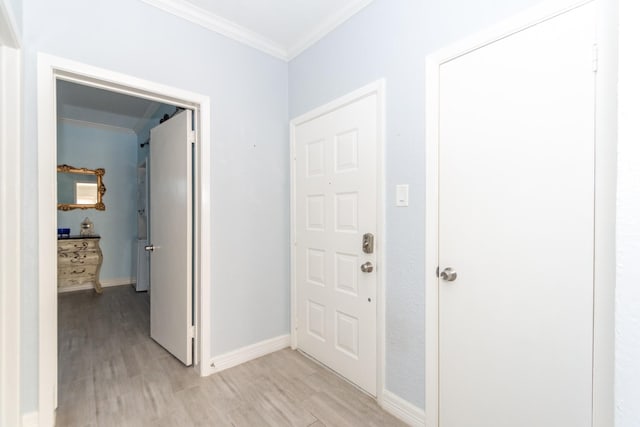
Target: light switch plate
{"type": "Point", "coordinates": [402, 195]}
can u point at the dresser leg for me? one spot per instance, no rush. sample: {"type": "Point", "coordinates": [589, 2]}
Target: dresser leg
{"type": "Point", "coordinates": [98, 287]}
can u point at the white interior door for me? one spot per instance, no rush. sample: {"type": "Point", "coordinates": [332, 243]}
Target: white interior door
{"type": "Point", "coordinates": [335, 205]}
{"type": "Point", "coordinates": [171, 236]}
{"type": "Point", "coordinates": [517, 225]}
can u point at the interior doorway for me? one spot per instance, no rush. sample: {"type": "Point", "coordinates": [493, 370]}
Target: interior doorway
{"type": "Point", "coordinates": [51, 70]}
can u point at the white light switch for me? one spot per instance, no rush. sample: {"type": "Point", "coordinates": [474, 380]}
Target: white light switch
{"type": "Point", "coordinates": [402, 195]}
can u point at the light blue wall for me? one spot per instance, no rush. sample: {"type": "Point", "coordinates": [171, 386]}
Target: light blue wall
{"type": "Point", "coordinates": [390, 39]}
{"type": "Point", "coordinates": [249, 156]}
{"type": "Point", "coordinates": [116, 151]}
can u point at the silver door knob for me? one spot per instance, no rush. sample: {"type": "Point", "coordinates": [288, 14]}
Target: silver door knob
{"type": "Point", "coordinates": [149, 248]}
{"type": "Point", "coordinates": [448, 274]}
{"type": "Point", "coordinates": [367, 267]}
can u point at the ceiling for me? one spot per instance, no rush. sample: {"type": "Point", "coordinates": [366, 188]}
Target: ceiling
{"type": "Point", "coordinates": [88, 104]}
{"type": "Point", "coordinates": [282, 28]}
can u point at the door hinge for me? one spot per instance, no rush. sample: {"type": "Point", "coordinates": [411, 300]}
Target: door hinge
{"type": "Point", "coordinates": [595, 58]}
{"type": "Point", "coordinates": [438, 271]}
{"type": "Point", "coordinates": [191, 333]}
{"type": "Point", "coordinates": [192, 137]}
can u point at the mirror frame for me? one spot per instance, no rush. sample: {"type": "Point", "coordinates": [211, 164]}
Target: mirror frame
{"type": "Point", "coordinates": [99, 173]}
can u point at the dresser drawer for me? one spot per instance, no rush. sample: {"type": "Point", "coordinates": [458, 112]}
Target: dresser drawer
{"type": "Point", "coordinates": [87, 272]}
{"type": "Point", "coordinates": [76, 245]}
{"type": "Point", "coordinates": [86, 257]}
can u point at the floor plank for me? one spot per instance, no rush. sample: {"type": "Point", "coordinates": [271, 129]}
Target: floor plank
{"type": "Point", "coordinates": [111, 373]}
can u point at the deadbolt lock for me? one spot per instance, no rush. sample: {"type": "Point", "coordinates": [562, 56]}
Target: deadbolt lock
{"type": "Point", "coordinates": [367, 243]}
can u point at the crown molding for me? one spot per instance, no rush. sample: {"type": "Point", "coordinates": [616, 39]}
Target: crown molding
{"type": "Point", "coordinates": [219, 25]}
{"type": "Point", "coordinates": [95, 125]}
{"type": "Point", "coordinates": [324, 28]}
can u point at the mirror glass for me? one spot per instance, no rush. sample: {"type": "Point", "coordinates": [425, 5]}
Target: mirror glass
{"type": "Point", "coordinates": [80, 188]}
{"type": "Point", "coordinates": [76, 189]}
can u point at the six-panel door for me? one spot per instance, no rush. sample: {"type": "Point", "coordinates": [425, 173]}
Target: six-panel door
{"type": "Point", "coordinates": [335, 205]}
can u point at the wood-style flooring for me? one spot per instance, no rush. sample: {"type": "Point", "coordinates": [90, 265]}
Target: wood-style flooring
{"type": "Point", "coordinates": [111, 373]}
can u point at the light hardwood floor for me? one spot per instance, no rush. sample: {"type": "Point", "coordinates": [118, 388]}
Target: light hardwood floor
{"type": "Point", "coordinates": [111, 373]}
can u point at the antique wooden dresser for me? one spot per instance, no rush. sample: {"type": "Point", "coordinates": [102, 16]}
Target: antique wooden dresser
{"type": "Point", "coordinates": [79, 262]}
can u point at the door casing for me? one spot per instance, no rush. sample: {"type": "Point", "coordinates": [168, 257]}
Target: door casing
{"type": "Point", "coordinates": [50, 69]}
{"type": "Point", "coordinates": [376, 88]}
{"type": "Point", "coordinates": [10, 221]}
{"type": "Point", "coordinates": [605, 59]}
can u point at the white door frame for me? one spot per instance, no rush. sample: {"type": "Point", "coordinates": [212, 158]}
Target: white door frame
{"type": "Point", "coordinates": [376, 88]}
{"type": "Point", "coordinates": [10, 217]}
{"type": "Point", "coordinates": [50, 69]}
{"type": "Point", "coordinates": [605, 193]}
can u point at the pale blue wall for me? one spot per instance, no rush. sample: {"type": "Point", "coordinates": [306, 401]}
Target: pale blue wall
{"type": "Point", "coordinates": [390, 39]}
{"type": "Point", "coordinates": [116, 151]}
{"type": "Point", "coordinates": [249, 156]}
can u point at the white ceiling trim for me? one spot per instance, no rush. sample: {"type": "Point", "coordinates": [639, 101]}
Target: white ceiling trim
{"type": "Point", "coordinates": [242, 34]}
{"type": "Point", "coordinates": [220, 25]}
{"type": "Point", "coordinates": [329, 24]}
{"type": "Point", "coordinates": [95, 125]}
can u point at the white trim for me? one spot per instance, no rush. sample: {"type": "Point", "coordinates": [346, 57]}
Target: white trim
{"type": "Point", "coordinates": [8, 26]}
{"type": "Point", "coordinates": [121, 281]}
{"type": "Point", "coordinates": [51, 68]}
{"type": "Point", "coordinates": [10, 221]}
{"type": "Point", "coordinates": [401, 409]}
{"type": "Point", "coordinates": [220, 25]}
{"type": "Point", "coordinates": [227, 28]}
{"type": "Point", "coordinates": [379, 89]}
{"type": "Point", "coordinates": [95, 125]}
{"type": "Point", "coordinates": [250, 352]}
{"type": "Point", "coordinates": [30, 419]}
{"type": "Point", "coordinates": [325, 27]}
{"type": "Point", "coordinates": [604, 267]}
{"type": "Point", "coordinates": [605, 213]}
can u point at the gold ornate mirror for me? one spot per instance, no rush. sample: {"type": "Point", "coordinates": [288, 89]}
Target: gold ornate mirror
{"type": "Point", "coordinates": [80, 188]}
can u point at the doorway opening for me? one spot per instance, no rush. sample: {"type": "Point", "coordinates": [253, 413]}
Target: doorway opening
{"type": "Point", "coordinates": [51, 71]}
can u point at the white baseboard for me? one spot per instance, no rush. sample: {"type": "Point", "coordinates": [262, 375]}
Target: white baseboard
{"type": "Point", "coordinates": [30, 419]}
{"type": "Point", "coordinates": [120, 281]}
{"type": "Point", "coordinates": [401, 409]}
{"type": "Point", "coordinates": [245, 354]}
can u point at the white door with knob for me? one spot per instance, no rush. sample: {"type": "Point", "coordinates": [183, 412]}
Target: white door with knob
{"type": "Point", "coordinates": [170, 236]}
{"type": "Point", "coordinates": [516, 228]}
{"type": "Point", "coordinates": [335, 223]}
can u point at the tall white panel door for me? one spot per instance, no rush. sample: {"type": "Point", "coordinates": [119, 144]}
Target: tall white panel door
{"type": "Point", "coordinates": [171, 236]}
{"type": "Point", "coordinates": [335, 205]}
{"type": "Point", "coordinates": [516, 222]}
